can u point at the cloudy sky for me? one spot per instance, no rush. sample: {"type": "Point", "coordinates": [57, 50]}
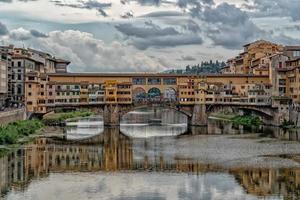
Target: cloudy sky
{"type": "Point", "coordinates": [145, 35]}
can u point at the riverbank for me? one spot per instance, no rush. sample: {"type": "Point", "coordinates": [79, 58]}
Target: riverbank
{"type": "Point", "coordinates": [21, 132]}
{"type": "Point", "coordinates": [12, 133]}
{"type": "Point", "coordinates": [58, 119]}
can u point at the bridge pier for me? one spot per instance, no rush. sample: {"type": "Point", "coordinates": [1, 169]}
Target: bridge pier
{"type": "Point", "coordinates": [199, 116]}
{"type": "Point", "coordinates": [111, 115]}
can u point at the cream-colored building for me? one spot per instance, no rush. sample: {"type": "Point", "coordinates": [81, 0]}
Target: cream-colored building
{"type": "Point", "coordinates": [3, 81]}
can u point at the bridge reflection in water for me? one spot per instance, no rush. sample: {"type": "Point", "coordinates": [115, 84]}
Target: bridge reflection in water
{"type": "Point", "coordinates": [113, 152]}
{"type": "Point", "coordinates": [126, 162]}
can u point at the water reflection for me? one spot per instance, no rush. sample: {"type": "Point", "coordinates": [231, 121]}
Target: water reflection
{"type": "Point", "coordinates": [212, 162]}
{"type": "Point", "coordinates": [47, 166]}
{"type": "Point", "coordinates": [84, 128]}
{"type": "Point", "coordinates": [153, 122]}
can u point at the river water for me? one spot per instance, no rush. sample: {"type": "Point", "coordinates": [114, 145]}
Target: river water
{"type": "Point", "coordinates": [153, 155]}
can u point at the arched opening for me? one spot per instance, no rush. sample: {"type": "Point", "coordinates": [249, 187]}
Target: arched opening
{"type": "Point", "coordinates": [170, 95]}
{"type": "Point", "coordinates": [139, 94]}
{"type": "Point", "coordinates": [154, 94]}
{"type": "Point", "coordinates": [150, 121]}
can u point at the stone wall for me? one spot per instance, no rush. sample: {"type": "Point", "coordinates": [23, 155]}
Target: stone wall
{"type": "Point", "coordinates": [295, 116]}
{"type": "Point", "coordinates": [12, 115]}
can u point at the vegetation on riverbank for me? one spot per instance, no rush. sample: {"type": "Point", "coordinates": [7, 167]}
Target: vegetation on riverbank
{"type": "Point", "coordinates": [59, 118]}
{"type": "Point", "coordinates": [247, 120]}
{"type": "Point", "coordinates": [13, 132]}
{"type": "Point", "coordinates": [286, 125]}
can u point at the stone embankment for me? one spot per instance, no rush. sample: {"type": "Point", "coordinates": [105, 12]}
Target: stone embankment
{"type": "Point", "coordinates": [12, 116]}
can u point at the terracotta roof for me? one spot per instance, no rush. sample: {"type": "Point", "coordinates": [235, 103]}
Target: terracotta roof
{"type": "Point", "coordinates": [129, 75]}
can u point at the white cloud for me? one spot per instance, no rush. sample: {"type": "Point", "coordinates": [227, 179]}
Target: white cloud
{"type": "Point", "coordinates": [90, 54]}
{"type": "Point", "coordinates": [20, 34]}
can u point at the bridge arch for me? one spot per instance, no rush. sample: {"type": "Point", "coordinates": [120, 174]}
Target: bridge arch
{"type": "Point", "coordinates": [260, 112]}
{"type": "Point", "coordinates": [187, 112]}
{"type": "Point", "coordinates": [154, 94]}
{"type": "Point", "coordinates": [139, 94]}
{"type": "Point", "coordinates": [170, 94]}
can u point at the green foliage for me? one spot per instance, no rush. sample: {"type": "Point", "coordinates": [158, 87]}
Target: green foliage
{"type": "Point", "coordinates": [287, 125]}
{"type": "Point", "coordinates": [57, 118]}
{"type": "Point", "coordinates": [3, 152]}
{"type": "Point", "coordinates": [247, 120]}
{"type": "Point", "coordinates": [11, 133]}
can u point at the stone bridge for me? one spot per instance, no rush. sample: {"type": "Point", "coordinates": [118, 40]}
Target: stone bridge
{"type": "Point", "coordinates": [197, 114]}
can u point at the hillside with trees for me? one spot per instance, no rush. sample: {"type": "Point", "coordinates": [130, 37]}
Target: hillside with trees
{"type": "Point", "coordinates": [203, 68]}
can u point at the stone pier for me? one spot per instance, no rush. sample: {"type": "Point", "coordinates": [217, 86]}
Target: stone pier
{"type": "Point", "coordinates": [111, 115]}
{"type": "Point", "coordinates": [199, 116]}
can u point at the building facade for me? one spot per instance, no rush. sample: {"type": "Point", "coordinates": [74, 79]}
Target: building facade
{"type": "Point", "coordinates": [72, 89]}
{"type": "Point", "coordinates": [21, 61]}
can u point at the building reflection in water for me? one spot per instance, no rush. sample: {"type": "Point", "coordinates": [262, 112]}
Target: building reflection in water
{"type": "Point", "coordinates": [112, 151]}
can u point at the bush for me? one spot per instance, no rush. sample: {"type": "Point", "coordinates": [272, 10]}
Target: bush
{"type": "Point", "coordinates": [11, 133]}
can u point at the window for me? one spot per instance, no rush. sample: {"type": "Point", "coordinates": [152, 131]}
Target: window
{"type": "Point", "coordinates": [139, 81]}
{"type": "Point", "coordinates": [29, 103]}
{"type": "Point", "coordinates": [19, 77]}
{"type": "Point", "coordinates": [31, 78]}
{"type": "Point", "coordinates": [29, 85]}
{"type": "Point", "coordinates": [29, 93]}
{"type": "Point", "coordinates": [42, 86]}
{"type": "Point", "coordinates": [19, 63]}
{"type": "Point", "coordinates": [19, 89]}
{"type": "Point", "coordinates": [296, 53]}
{"type": "Point", "coordinates": [50, 93]}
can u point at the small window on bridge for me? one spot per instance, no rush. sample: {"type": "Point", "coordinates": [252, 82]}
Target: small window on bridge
{"type": "Point", "coordinates": [154, 81]}
{"type": "Point", "coordinates": [169, 81]}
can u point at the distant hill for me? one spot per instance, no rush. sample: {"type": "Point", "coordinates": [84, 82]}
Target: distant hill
{"type": "Point", "coordinates": [203, 68]}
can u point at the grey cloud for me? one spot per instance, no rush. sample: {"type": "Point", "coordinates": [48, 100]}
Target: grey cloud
{"type": "Point", "coordinates": [143, 196]}
{"type": "Point", "coordinates": [3, 29]}
{"type": "Point", "coordinates": [6, 1]}
{"type": "Point", "coordinates": [150, 30]}
{"type": "Point", "coordinates": [286, 40]}
{"type": "Point", "coordinates": [167, 41]}
{"type": "Point", "coordinates": [90, 4]}
{"type": "Point", "coordinates": [163, 14]}
{"type": "Point", "coordinates": [228, 26]}
{"type": "Point", "coordinates": [187, 58]}
{"type": "Point", "coordinates": [226, 14]}
{"type": "Point", "coordinates": [192, 26]}
{"type": "Point", "coordinates": [195, 3]}
{"type": "Point", "coordinates": [150, 2]}
{"type": "Point", "coordinates": [127, 15]}
{"type": "Point", "coordinates": [149, 35]}
{"type": "Point", "coordinates": [38, 34]}
{"type": "Point", "coordinates": [278, 8]}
